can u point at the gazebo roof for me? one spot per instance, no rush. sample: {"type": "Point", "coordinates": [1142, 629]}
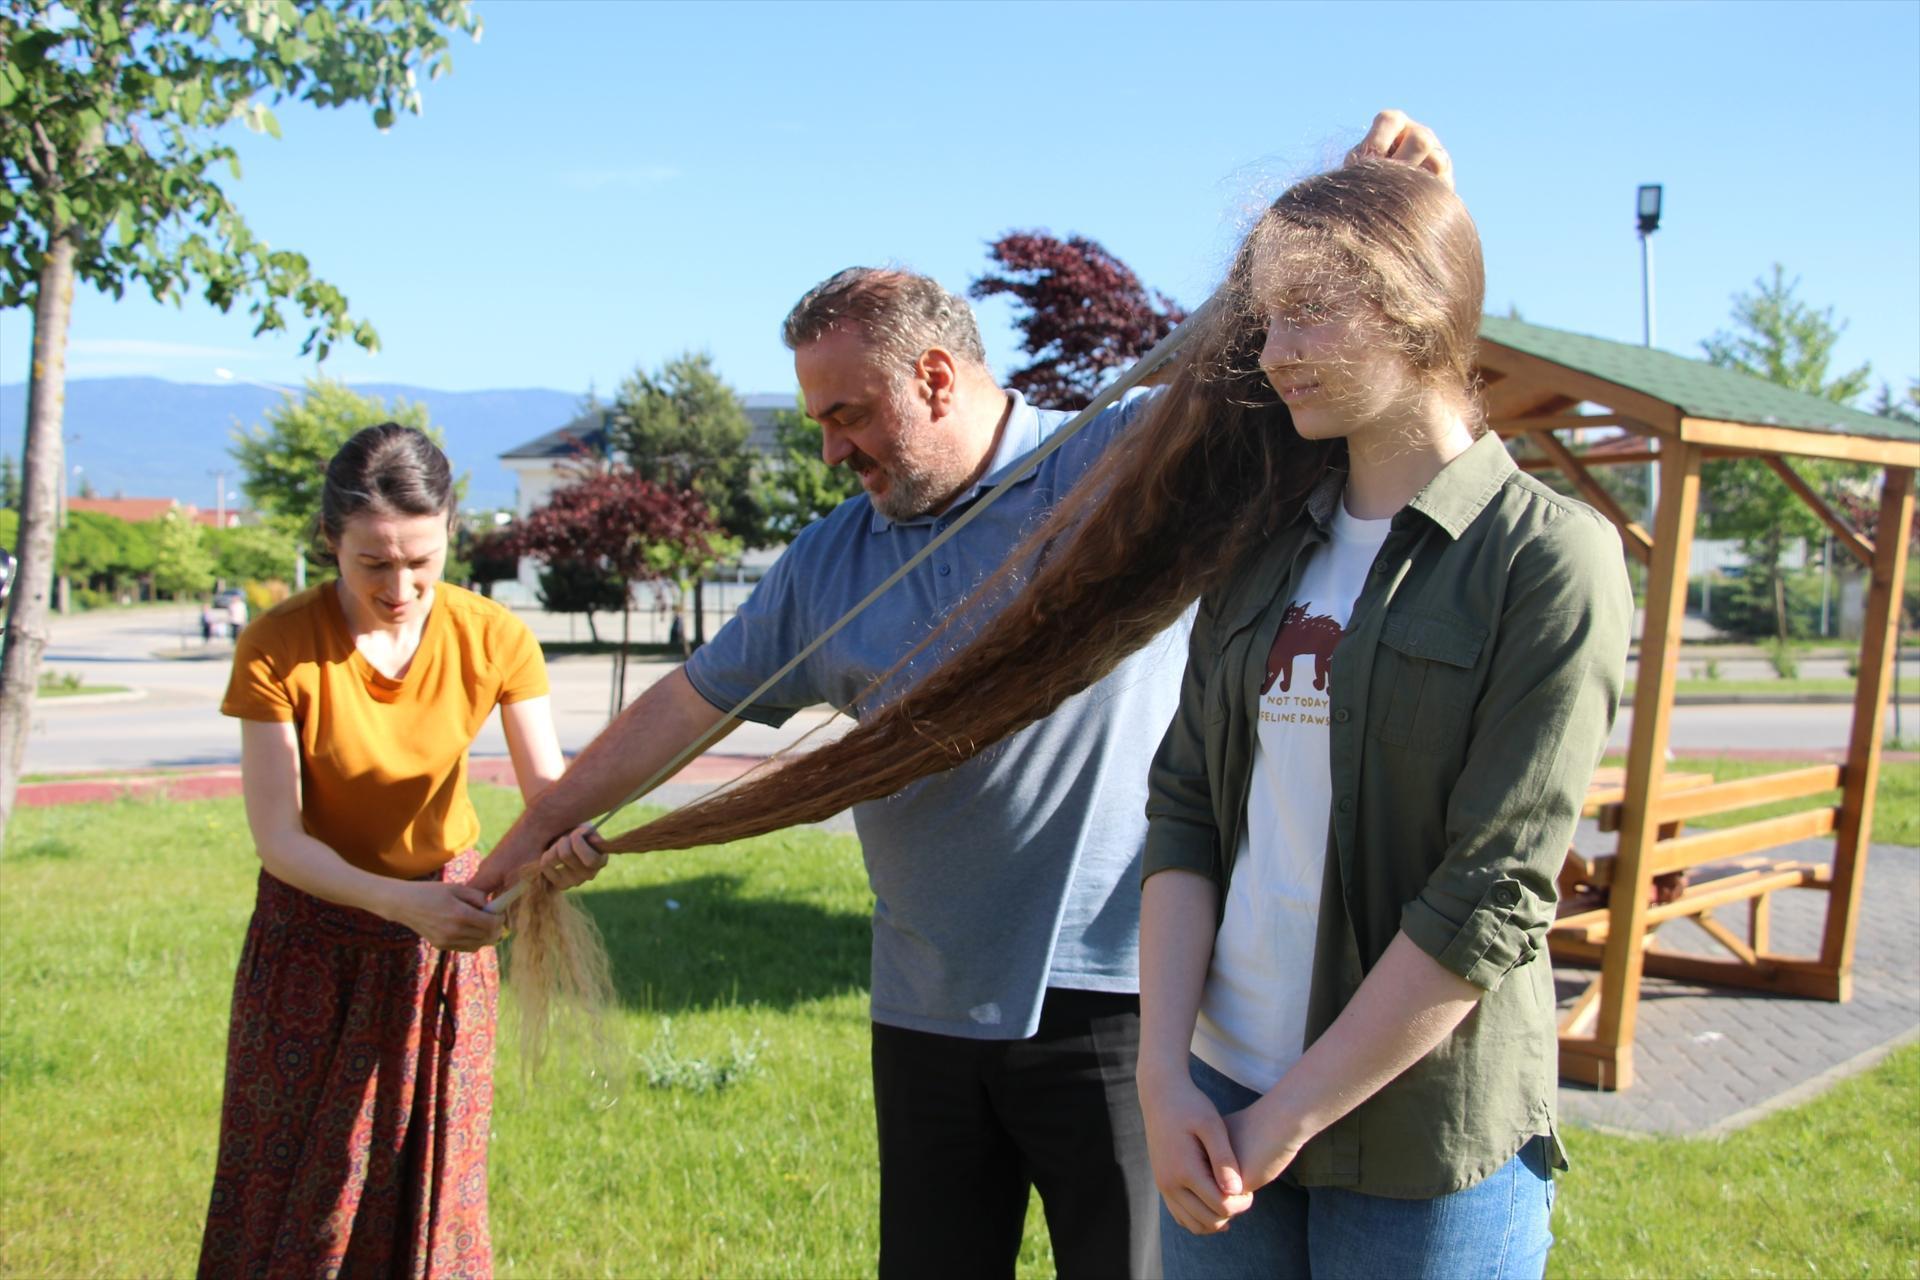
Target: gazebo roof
{"type": "Point", "coordinates": [1690, 389]}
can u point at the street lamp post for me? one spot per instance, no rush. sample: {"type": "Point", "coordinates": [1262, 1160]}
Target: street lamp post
{"type": "Point", "coordinates": [1647, 207]}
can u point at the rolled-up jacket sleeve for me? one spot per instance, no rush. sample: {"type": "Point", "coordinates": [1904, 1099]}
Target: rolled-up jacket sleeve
{"type": "Point", "coordinates": [1538, 730]}
{"type": "Point", "coordinates": [1182, 833]}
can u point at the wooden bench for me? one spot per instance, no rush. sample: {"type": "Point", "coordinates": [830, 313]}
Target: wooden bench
{"type": "Point", "coordinates": [1690, 876]}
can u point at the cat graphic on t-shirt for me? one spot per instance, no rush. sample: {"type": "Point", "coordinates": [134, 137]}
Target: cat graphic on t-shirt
{"type": "Point", "coordinates": [1300, 633]}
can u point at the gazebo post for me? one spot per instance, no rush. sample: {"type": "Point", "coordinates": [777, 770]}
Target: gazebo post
{"type": "Point", "coordinates": [1611, 1051]}
{"type": "Point", "coordinates": [1877, 658]}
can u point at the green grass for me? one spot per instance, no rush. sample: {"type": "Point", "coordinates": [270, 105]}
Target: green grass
{"type": "Point", "coordinates": [1831, 1188]}
{"type": "Point", "coordinates": [123, 922]}
{"type": "Point", "coordinates": [1909, 686]}
{"type": "Point", "coordinates": [1896, 808]}
{"type": "Point", "coordinates": [75, 691]}
{"type": "Point", "coordinates": [69, 684]}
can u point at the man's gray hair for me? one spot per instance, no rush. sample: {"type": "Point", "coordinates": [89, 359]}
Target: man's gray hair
{"type": "Point", "coordinates": [897, 313]}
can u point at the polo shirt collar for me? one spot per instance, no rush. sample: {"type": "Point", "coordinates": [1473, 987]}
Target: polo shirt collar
{"type": "Point", "coordinates": [1018, 438]}
{"type": "Point", "coordinates": [1456, 497]}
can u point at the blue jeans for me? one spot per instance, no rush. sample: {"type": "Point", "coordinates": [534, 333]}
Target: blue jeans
{"type": "Point", "coordinates": [1494, 1230]}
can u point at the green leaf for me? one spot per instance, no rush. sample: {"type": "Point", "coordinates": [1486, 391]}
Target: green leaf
{"type": "Point", "coordinates": [192, 94]}
{"type": "Point", "coordinates": [233, 165]}
{"type": "Point", "coordinates": [383, 118]}
{"type": "Point", "coordinates": [269, 123]}
{"type": "Point", "coordinates": [129, 224]}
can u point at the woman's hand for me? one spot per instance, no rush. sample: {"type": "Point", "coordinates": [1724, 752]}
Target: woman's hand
{"type": "Point", "coordinates": [1193, 1158]}
{"type": "Point", "coordinates": [1267, 1143]}
{"type": "Point", "coordinates": [452, 917]}
{"type": "Point", "coordinates": [573, 859]}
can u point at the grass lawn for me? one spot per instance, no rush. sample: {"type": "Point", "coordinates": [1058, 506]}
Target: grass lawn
{"type": "Point", "coordinates": [74, 691]}
{"type": "Point", "coordinates": [57, 684]}
{"type": "Point", "coordinates": [1909, 686]}
{"type": "Point", "coordinates": [124, 921]}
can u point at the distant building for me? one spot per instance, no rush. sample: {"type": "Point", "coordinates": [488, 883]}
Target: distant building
{"type": "Point", "coordinates": [137, 510]}
{"type": "Point", "coordinates": [541, 465]}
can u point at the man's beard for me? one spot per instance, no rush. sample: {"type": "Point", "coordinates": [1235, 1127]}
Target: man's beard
{"type": "Point", "coordinates": [925, 472]}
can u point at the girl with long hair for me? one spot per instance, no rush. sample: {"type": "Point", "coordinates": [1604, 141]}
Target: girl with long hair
{"type": "Point", "coordinates": [353, 1131]}
{"type": "Point", "coordinates": [1403, 668]}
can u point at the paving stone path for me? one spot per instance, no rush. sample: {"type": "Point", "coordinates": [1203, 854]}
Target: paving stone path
{"type": "Point", "coordinates": [1711, 1059]}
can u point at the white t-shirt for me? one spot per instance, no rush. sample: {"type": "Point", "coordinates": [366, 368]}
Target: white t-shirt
{"type": "Point", "coordinates": [1253, 1015]}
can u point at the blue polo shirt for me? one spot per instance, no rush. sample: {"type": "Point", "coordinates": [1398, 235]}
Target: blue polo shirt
{"type": "Point", "coordinates": [1019, 870]}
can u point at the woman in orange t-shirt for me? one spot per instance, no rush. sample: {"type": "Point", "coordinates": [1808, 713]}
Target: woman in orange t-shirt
{"type": "Point", "coordinates": [353, 1133]}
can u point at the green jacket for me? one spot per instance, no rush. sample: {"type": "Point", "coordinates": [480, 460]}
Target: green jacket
{"type": "Point", "coordinates": [1471, 697]}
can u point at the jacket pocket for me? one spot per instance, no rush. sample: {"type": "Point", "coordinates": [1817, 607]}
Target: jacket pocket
{"type": "Point", "coordinates": [1425, 677]}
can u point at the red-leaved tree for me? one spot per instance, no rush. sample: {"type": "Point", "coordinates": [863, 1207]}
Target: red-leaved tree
{"type": "Point", "coordinates": [1083, 314]}
{"type": "Point", "coordinates": [612, 521]}
{"type": "Point", "coordinates": [616, 520]}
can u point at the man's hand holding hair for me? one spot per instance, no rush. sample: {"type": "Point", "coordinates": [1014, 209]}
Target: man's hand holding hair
{"type": "Point", "coordinates": [1396, 136]}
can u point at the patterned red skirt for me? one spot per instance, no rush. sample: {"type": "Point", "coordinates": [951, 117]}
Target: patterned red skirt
{"type": "Point", "coordinates": [353, 1134]}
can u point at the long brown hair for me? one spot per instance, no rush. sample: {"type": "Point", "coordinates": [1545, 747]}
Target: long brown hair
{"type": "Point", "coordinates": [1213, 467]}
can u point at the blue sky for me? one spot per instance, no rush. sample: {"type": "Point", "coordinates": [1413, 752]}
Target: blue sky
{"type": "Point", "coordinates": [601, 185]}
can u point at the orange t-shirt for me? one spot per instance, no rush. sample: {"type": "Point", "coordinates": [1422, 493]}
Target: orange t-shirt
{"type": "Point", "coordinates": [383, 763]}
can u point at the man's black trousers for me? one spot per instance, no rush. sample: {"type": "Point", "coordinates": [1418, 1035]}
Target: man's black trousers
{"type": "Point", "coordinates": [968, 1126]}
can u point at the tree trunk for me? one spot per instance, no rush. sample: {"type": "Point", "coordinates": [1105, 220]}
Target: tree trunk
{"type": "Point", "coordinates": [699, 610]}
{"type": "Point", "coordinates": [592, 630]}
{"type": "Point", "coordinates": [680, 614]}
{"type": "Point", "coordinates": [45, 464]}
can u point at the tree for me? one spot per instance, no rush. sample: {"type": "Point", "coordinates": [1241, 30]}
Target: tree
{"type": "Point", "coordinates": [1082, 313]}
{"type": "Point", "coordinates": [490, 558]}
{"type": "Point", "coordinates": [112, 115]}
{"type": "Point", "coordinates": [182, 564]}
{"type": "Point", "coordinates": [1778, 337]}
{"type": "Point", "coordinates": [683, 427]}
{"type": "Point", "coordinates": [583, 586]}
{"type": "Point", "coordinates": [799, 487]}
{"type": "Point", "coordinates": [1901, 409]}
{"type": "Point", "coordinates": [283, 462]}
{"type": "Point", "coordinates": [252, 553]}
{"type": "Point", "coordinates": [613, 523]}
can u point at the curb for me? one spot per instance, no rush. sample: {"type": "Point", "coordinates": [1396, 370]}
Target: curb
{"type": "Point", "coordinates": [223, 781]}
{"type": "Point", "coordinates": [89, 699]}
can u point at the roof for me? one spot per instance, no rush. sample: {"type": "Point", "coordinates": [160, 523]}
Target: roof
{"type": "Point", "coordinates": [588, 431]}
{"type": "Point", "coordinates": [138, 510]}
{"type": "Point", "coordinates": [1696, 388]}
{"type": "Point", "coordinates": [130, 509]}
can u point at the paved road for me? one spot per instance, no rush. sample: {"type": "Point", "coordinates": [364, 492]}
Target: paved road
{"type": "Point", "coordinates": [174, 718]}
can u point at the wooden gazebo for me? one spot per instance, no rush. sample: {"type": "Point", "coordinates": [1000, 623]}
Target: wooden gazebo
{"type": "Point", "coordinates": [1688, 414]}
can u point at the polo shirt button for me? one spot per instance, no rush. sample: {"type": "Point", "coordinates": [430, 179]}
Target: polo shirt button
{"type": "Point", "coordinates": [1506, 895]}
{"type": "Point", "coordinates": [1346, 804]}
{"type": "Point", "coordinates": [1342, 715]}
{"type": "Point", "coordinates": [1379, 566]}
{"type": "Point", "coordinates": [945, 569]}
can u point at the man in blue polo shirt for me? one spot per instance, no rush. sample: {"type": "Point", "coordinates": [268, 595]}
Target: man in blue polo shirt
{"type": "Point", "coordinates": [1006, 915]}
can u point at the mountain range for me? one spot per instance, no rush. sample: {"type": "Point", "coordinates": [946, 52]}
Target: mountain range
{"type": "Point", "coordinates": [150, 438]}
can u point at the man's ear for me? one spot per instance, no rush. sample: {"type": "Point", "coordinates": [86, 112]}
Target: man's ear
{"type": "Point", "coordinates": [939, 375]}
